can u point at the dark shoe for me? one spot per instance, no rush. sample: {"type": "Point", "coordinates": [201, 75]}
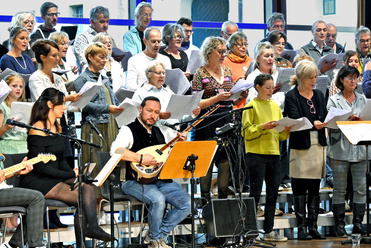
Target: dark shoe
{"type": "Point", "coordinates": [222, 194]}
{"type": "Point", "coordinates": [313, 210]}
{"type": "Point", "coordinates": [300, 212]}
{"type": "Point", "coordinates": [51, 224]}
{"type": "Point", "coordinates": [358, 213]}
{"type": "Point", "coordinates": [54, 218]}
{"type": "Point", "coordinates": [97, 233]}
{"type": "Point", "coordinates": [339, 215]}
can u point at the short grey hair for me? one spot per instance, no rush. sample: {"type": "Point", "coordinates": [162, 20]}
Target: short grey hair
{"type": "Point", "coordinates": [148, 31]}
{"type": "Point", "coordinates": [235, 37]}
{"type": "Point", "coordinates": [58, 36]}
{"type": "Point", "coordinates": [259, 51]}
{"type": "Point", "coordinates": [100, 36]}
{"type": "Point", "coordinates": [317, 22]}
{"type": "Point", "coordinates": [228, 23]}
{"type": "Point", "coordinates": [361, 30]}
{"type": "Point", "coordinates": [274, 18]}
{"type": "Point", "coordinates": [138, 10]}
{"type": "Point", "coordinates": [170, 30]}
{"type": "Point", "coordinates": [94, 12]}
{"type": "Point", "coordinates": [151, 67]}
{"type": "Point", "coordinates": [209, 45]}
{"type": "Point", "coordinates": [19, 18]}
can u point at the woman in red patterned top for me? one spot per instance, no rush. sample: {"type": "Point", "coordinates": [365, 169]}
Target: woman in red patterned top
{"type": "Point", "coordinates": [216, 81]}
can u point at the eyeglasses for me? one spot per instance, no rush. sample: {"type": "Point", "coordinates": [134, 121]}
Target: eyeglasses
{"type": "Point", "coordinates": [278, 26]}
{"type": "Point", "coordinates": [364, 41]}
{"type": "Point", "coordinates": [280, 44]}
{"type": "Point", "coordinates": [351, 78]}
{"type": "Point", "coordinates": [241, 45]}
{"type": "Point", "coordinates": [311, 107]}
{"type": "Point", "coordinates": [331, 36]}
{"type": "Point", "coordinates": [159, 73]}
{"type": "Point", "coordinates": [223, 52]}
{"type": "Point", "coordinates": [53, 14]}
{"type": "Point", "coordinates": [177, 38]}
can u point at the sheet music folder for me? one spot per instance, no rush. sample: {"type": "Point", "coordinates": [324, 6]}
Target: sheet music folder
{"type": "Point", "coordinates": [173, 168]}
{"type": "Point", "coordinates": [356, 136]}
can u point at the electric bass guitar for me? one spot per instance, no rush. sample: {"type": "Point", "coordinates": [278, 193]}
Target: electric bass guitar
{"type": "Point", "coordinates": [10, 171]}
{"type": "Point", "coordinates": [148, 173]}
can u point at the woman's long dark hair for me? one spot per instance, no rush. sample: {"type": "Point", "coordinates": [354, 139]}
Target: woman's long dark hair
{"type": "Point", "coordinates": [40, 109]}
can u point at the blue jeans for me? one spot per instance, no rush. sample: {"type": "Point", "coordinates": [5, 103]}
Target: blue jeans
{"type": "Point", "coordinates": [156, 195]}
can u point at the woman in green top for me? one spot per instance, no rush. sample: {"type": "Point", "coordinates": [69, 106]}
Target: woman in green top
{"type": "Point", "coordinates": [262, 148]}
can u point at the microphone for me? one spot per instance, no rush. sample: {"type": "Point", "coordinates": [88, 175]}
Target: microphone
{"type": "Point", "coordinates": [94, 127]}
{"type": "Point", "coordinates": [169, 126]}
{"type": "Point", "coordinates": [17, 123]}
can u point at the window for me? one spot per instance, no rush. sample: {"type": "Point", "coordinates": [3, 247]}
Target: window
{"type": "Point", "coordinates": [329, 7]}
{"type": "Point", "coordinates": [77, 11]}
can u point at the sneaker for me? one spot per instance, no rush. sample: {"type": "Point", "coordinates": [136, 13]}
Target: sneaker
{"type": "Point", "coordinates": [163, 244]}
{"type": "Point", "coordinates": [154, 244]}
{"type": "Point", "coordinates": [259, 212]}
{"type": "Point", "coordinates": [278, 212]}
{"type": "Point", "coordinates": [274, 237]}
{"type": "Point", "coordinates": [286, 186]}
{"type": "Point", "coordinates": [146, 239]}
{"type": "Point", "coordinates": [347, 207]}
{"type": "Point", "coordinates": [104, 219]}
{"type": "Point", "coordinates": [281, 188]}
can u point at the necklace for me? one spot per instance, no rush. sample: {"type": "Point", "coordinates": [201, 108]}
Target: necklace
{"type": "Point", "coordinates": [25, 65]}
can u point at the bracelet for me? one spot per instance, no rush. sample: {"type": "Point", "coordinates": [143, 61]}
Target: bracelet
{"type": "Point", "coordinates": [141, 159]}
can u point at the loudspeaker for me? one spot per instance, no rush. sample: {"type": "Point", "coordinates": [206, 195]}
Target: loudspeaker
{"type": "Point", "coordinates": [226, 217]}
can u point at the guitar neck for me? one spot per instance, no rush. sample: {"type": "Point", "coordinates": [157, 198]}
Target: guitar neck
{"type": "Point", "coordinates": [189, 128]}
{"type": "Point", "coordinates": [13, 169]}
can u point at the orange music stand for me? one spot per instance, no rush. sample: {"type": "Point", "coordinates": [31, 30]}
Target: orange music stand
{"type": "Point", "coordinates": [181, 163]}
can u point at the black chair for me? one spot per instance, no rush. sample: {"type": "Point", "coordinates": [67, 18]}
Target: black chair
{"type": "Point", "coordinates": [119, 197]}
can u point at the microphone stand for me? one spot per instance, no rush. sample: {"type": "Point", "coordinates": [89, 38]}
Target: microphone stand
{"type": "Point", "coordinates": [81, 177]}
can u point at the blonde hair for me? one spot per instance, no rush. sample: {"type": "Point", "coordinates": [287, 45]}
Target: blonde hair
{"type": "Point", "coordinates": [57, 37]}
{"type": "Point", "coordinates": [299, 58]}
{"type": "Point", "coordinates": [10, 78]}
{"type": "Point", "coordinates": [304, 69]}
{"type": "Point", "coordinates": [94, 49]}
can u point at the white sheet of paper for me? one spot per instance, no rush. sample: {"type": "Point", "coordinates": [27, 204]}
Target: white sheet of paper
{"type": "Point", "coordinates": [284, 75]}
{"type": "Point", "coordinates": [240, 86]}
{"type": "Point", "coordinates": [330, 56]}
{"type": "Point", "coordinates": [321, 83]}
{"type": "Point", "coordinates": [289, 54]}
{"type": "Point", "coordinates": [366, 111]}
{"type": "Point", "coordinates": [4, 90]}
{"type": "Point", "coordinates": [299, 124]}
{"type": "Point", "coordinates": [336, 114]}
{"type": "Point", "coordinates": [180, 105]}
{"type": "Point", "coordinates": [88, 91]}
{"type": "Point", "coordinates": [130, 112]}
{"type": "Point", "coordinates": [8, 71]}
{"type": "Point", "coordinates": [60, 71]}
{"type": "Point", "coordinates": [21, 111]}
{"type": "Point", "coordinates": [194, 61]}
{"type": "Point", "coordinates": [123, 93]}
{"type": "Point", "coordinates": [356, 132]}
{"type": "Point", "coordinates": [177, 81]}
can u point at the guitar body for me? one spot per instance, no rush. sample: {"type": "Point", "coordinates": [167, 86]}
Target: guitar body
{"type": "Point", "coordinates": [147, 174]}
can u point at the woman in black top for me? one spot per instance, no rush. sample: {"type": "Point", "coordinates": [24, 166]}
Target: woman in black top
{"type": "Point", "coordinates": [307, 147]}
{"type": "Point", "coordinates": [54, 178]}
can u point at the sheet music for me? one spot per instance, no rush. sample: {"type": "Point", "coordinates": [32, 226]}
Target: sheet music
{"type": "Point", "coordinates": [130, 112]}
{"type": "Point", "coordinates": [177, 81]}
{"type": "Point", "coordinates": [250, 69]}
{"type": "Point", "coordinates": [356, 132]}
{"type": "Point", "coordinates": [321, 83]}
{"type": "Point", "coordinates": [329, 57]}
{"type": "Point", "coordinates": [180, 105]}
{"type": "Point", "coordinates": [289, 54]}
{"type": "Point", "coordinates": [194, 61]}
{"type": "Point", "coordinates": [366, 111]}
{"type": "Point", "coordinates": [123, 93]}
{"type": "Point", "coordinates": [4, 90]}
{"type": "Point", "coordinates": [8, 71]}
{"type": "Point", "coordinates": [21, 111]}
{"type": "Point", "coordinates": [284, 75]}
{"type": "Point", "coordinates": [336, 114]}
{"type": "Point", "coordinates": [109, 166]}
{"type": "Point", "coordinates": [240, 86]}
{"type": "Point", "coordinates": [299, 124]}
{"type": "Point", "coordinates": [88, 91]}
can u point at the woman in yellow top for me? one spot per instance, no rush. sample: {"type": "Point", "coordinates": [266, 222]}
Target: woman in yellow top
{"type": "Point", "coordinates": [262, 148]}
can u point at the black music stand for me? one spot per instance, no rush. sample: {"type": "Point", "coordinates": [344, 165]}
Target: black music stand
{"type": "Point", "coordinates": [364, 142]}
{"type": "Point", "coordinates": [181, 163]}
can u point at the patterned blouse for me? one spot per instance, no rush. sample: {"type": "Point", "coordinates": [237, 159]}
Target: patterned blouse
{"type": "Point", "coordinates": [202, 80]}
{"type": "Point", "coordinates": [282, 62]}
